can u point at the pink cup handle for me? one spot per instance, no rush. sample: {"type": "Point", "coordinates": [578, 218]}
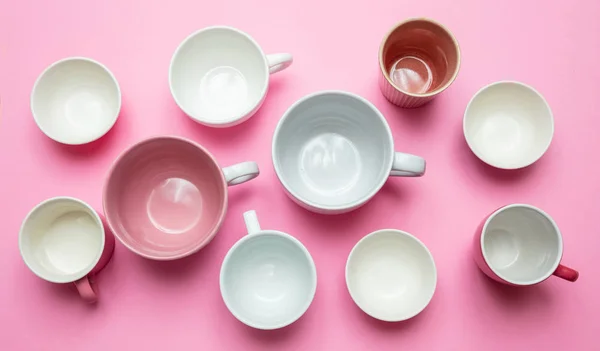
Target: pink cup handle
{"type": "Point", "coordinates": [566, 273]}
{"type": "Point", "coordinates": [84, 287]}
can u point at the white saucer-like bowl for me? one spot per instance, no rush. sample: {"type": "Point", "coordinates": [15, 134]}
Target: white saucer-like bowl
{"type": "Point", "coordinates": [76, 101]}
{"type": "Point", "coordinates": [508, 125]}
{"type": "Point", "coordinates": [391, 275]}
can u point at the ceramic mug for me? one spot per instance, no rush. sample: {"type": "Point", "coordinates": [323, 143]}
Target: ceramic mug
{"type": "Point", "coordinates": [333, 150]}
{"type": "Point", "coordinates": [520, 245]}
{"type": "Point", "coordinates": [268, 278]}
{"type": "Point", "coordinates": [75, 100]}
{"type": "Point", "coordinates": [166, 197]}
{"type": "Point", "coordinates": [418, 59]}
{"type": "Point", "coordinates": [219, 76]}
{"type": "Point", "coordinates": [63, 240]}
{"type": "Point", "coordinates": [391, 275]}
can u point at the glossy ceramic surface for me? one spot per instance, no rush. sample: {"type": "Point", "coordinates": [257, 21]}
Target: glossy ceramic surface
{"type": "Point", "coordinates": [75, 100]}
{"type": "Point", "coordinates": [62, 240]}
{"type": "Point", "coordinates": [521, 245]}
{"type": "Point", "coordinates": [333, 151]}
{"type": "Point", "coordinates": [268, 278]}
{"type": "Point", "coordinates": [391, 275]}
{"type": "Point", "coordinates": [418, 59]}
{"type": "Point", "coordinates": [219, 76]}
{"type": "Point", "coordinates": [166, 197]}
{"type": "Point", "coordinates": [508, 125]}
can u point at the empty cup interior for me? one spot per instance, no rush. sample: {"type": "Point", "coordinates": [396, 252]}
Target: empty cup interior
{"type": "Point", "coordinates": [165, 197]}
{"type": "Point", "coordinates": [332, 150]}
{"type": "Point", "coordinates": [420, 57]}
{"type": "Point", "coordinates": [268, 280]}
{"type": "Point", "coordinates": [391, 275]}
{"type": "Point", "coordinates": [508, 125]}
{"type": "Point", "coordinates": [76, 101]}
{"type": "Point", "coordinates": [521, 245]}
{"type": "Point", "coordinates": [218, 75]}
{"type": "Point", "coordinates": [61, 240]}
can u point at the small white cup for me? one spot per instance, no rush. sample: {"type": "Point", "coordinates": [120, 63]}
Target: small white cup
{"type": "Point", "coordinates": [508, 125]}
{"type": "Point", "coordinates": [333, 151]}
{"type": "Point", "coordinates": [219, 76]}
{"type": "Point", "coordinates": [63, 240]}
{"type": "Point", "coordinates": [268, 278]}
{"type": "Point", "coordinates": [391, 275]}
{"type": "Point", "coordinates": [75, 101]}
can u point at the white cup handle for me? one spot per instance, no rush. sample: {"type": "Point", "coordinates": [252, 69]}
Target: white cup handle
{"type": "Point", "coordinates": [279, 62]}
{"type": "Point", "coordinates": [251, 221]}
{"type": "Point", "coordinates": [407, 165]}
{"type": "Point", "coordinates": [241, 173]}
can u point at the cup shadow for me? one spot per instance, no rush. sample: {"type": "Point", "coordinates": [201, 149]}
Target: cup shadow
{"type": "Point", "coordinates": [514, 298]}
{"type": "Point", "coordinates": [179, 269]}
{"type": "Point", "coordinates": [276, 336]}
{"type": "Point", "coordinates": [418, 118]}
{"type": "Point", "coordinates": [387, 327]}
{"type": "Point", "coordinates": [232, 137]}
{"type": "Point", "coordinates": [474, 164]}
{"type": "Point", "coordinates": [96, 147]}
{"type": "Point", "coordinates": [340, 223]}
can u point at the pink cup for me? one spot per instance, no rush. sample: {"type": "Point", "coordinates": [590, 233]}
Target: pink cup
{"type": "Point", "coordinates": [520, 245]}
{"type": "Point", "coordinates": [166, 197]}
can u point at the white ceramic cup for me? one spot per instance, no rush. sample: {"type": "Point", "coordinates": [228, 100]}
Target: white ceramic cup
{"type": "Point", "coordinates": [391, 275]}
{"type": "Point", "coordinates": [75, 101]}
{"type": "Point", "coordinates": [268, 278]}
{"type": "Point", "coordinates": [520, 245]}
{"type": "Point", "coordinates": [508, 125]}
{"type": "Point", "coordinates": [63, 240]}
{"type": "Point", "coordinates": [219, 76]}
{"type": "Point", "coordinates": [333, 151]}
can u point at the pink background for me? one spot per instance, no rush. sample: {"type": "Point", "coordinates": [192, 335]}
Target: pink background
{"type": "Point", "coordinates": [177, 305]}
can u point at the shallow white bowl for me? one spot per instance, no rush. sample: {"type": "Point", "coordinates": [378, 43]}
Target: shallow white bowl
{"type": "Point", "coordinates": [268, 279]}
{"type": "Point", "coordinates": [76, 101]}
{"type": "Point", "coordinates": [508, 125]}
{"type": "Point", "coordinates": [391, 275]}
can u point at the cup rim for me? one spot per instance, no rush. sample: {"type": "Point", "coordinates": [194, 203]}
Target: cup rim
{"type": "Point", "coordinates": [248, 112]}
{"type": "Point", "coordinates": [395, 232]}
{"type": "Point", "coordinates": [69, 278]}
{"type": "Point", "coordinates": [242, 241]}
{"type": "Point", "coordinates": [51, 67]}
{"type": "Point", "coordinates": [112, 225]}
{"type": "Point", "coordinates": [556, 231]}
{"type": "Point", "coordinates": [439, 89]}
{"type": "Point", "coordinates": [279, 172]}
{"type": "Point", "coordinates": [481, 156]}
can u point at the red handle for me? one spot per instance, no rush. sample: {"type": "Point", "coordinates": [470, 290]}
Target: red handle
{"type": "Point", "coordinates": [566, 273]}
{"type": "Point", "coordinates": [84, 287]}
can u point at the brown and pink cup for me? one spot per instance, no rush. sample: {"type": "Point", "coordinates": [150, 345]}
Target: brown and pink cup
{"type": "Point", "coordinates": [418, 59]}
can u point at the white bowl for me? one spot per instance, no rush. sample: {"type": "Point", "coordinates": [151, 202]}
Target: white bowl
{"type": "Point", "coordinates": [219, 76]}
{"type": "Point", "coordinates": [508, 125]}
{"type": "Point", "coordinates": [75, 101]}
{"type": "Point", "coordinates": [268, 278]}
{"type": "Point", "coordinates": [391, 275]}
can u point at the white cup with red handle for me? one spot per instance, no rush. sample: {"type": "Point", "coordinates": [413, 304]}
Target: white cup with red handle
{"type": "Point", "coordinates": [520, 245]}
